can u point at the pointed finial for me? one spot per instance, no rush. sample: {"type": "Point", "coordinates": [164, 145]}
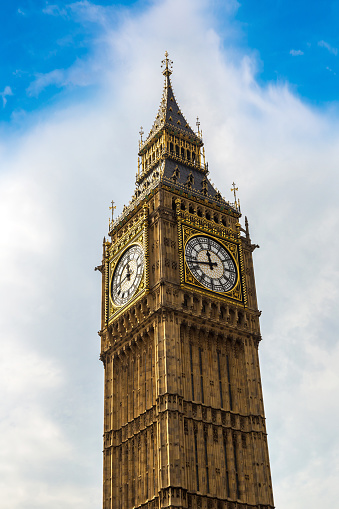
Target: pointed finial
{"type": "Point", "coordinates": [141, 132]}
{"type": "Point", "coordinates": [234, 189]}
{"type": "Point", "coordinates": [198, 124]}
{"type": "Point", "coordinates": [168, 64]}
{"type": "Point", "coordinates": [112, 208]}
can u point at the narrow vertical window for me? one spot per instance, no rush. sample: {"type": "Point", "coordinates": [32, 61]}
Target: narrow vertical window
{"type": "Point", "coordinates": [146, 461]}
{"type": "Point", "coordinates": [145, 371]}
{"type": "Point", "coordinates": [229, 382]}
{"type": "Point", "coordinates": [153, 482]}
{"type": "Point", "coordinates": [236, 468]}
{"type": "Point", "coordinates": [120, 476]}
{"type": "Point", "coordinates": [128, 390]}
{"type": "Point", "coordinates": [196, 459]}
{"type": "Point", "coordinates": [151, 368]}
{"type": "Point", "coordinates": [133, 474]}
{"type": "Point", "coordinates": [154, 463]}
{"type": "Point", "coordinates": [192, 377]}
{"type": "Point", "coordinates": [127, 366]}
{"type": "Point", "coordinates": [226, 469]}
{"type": "Point", "coordinates": [201, 378]}
{"type": "Point", "coordinates": [133, 364]}
{"type": "Point", "coordinates": [220, 383]}
{"type": "Point", "coordinates": [206, 464]}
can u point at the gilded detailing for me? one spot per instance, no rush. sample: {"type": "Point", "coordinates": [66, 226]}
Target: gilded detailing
{"type": "Point", "coordinates": [170, 132]}
{"type": "Point", "coordinates": [126, 237]}
{"type": "Point", "coordinates": [136, 235]}
{"type": "Point", "coordinates": [106, 280]}
{"type": "Point", "coordinates": [228, 237]}
{"type": "Point", "coordinates": [145, 242]}
{"type": "Point", "coordinates": [180, 242]}
{"type": "Point", "coordinates": [184, 422]}
{"type": "Point", "coordinates": [209, 226]}
{"type": "Point", "coordinates": [177, 146]}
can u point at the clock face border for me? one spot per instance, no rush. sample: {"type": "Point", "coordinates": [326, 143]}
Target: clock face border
{"type": "Point", "coordinates": [232, 259]}
{"type": "Point", "coordinates": [238, 292]}
{"type": "Point", "coordinates": [113, 311]}
{"type": "Point", "coordinates": [139, 276]}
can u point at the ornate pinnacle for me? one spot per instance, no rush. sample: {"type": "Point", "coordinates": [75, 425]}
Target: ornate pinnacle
{"type": "Point", "coordinates": [112, 208]}
{"type": "Point", "coordinates": [168, 64]}
{"type": "Point", "coordinates": [234, 189]}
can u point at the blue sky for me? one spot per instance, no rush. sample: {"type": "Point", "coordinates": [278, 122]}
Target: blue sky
{"type": "Point", "coordinates": [294, 41]}
{"type": "Point", "coordinates": [297, 41]}
{"type": "Point", "coordinates": [77, 80]}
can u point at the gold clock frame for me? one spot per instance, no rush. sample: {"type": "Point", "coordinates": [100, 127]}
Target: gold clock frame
{"type": "Point", "coordinates": [190, 225]}
{"type": "Point", "coordinates": [137, 235]}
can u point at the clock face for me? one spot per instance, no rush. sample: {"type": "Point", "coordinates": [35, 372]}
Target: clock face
{"type": "Point", "coordinates": [127, 275]}
{"type": "Point", "coordinates": [211, 264]}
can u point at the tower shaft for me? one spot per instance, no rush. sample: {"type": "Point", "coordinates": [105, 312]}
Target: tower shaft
{"type": "Point", "coordinates": [184, 423]}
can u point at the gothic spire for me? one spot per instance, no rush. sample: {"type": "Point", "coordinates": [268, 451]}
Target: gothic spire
{"type": "Point", "coordinates": [169, 114]}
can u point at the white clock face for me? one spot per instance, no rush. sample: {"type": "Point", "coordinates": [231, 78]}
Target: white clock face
{"type": "Point", "coordinates": [127, 275]}
{"type": "Point", "coordinates": [211, 264]}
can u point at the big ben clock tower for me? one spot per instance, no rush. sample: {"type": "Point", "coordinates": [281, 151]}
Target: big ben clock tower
{"type": "Point", "coordinates": [184, 422]}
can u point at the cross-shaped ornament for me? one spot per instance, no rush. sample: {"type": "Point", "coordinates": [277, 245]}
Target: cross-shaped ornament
{"type": "Point", "coordinates": [234, 189]}
{"type": "Point", "coordinates": [112, 209]}
{"type": "Point", "coordinates": [168, 64]}
{"type": "Point", "coordinates": [198, 124]}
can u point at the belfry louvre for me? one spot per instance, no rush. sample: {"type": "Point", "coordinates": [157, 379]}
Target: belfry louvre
{"type": "Point", "coordinates": [184, 422]}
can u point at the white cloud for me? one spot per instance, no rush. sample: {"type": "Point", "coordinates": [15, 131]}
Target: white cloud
{"type": "Point", "coordinates": [54, 10]}
{"type": "Point", "coordinates": [331, 49]}
{"type": "Point", "coordinates": [56, 77]}
{"type": "Point", "coordinates": [296, 52]}
{"type": "Point", "coordinates": [87, 11]}
{"type": "Point", "coordinates": [6, 92]}
{"type": "Point", "coordinates": [57, 183]}
{"type": "Point", "coordinates": [78, 75]}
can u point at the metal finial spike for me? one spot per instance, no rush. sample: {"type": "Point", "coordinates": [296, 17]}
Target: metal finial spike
{"type": "Point", "coordinates": [112, 208]}
{"type": "Point", "coordinates": [234, 189]}
{"type": "Point", "coordinates": [168, 64]}
{"type": "Point", "coordinates": [198, 124]}
{"type": "Point", "coordinates": [141, 132]}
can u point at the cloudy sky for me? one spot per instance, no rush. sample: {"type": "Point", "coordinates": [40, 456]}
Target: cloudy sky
{"type": "Point", "coordinates": [77, 81]}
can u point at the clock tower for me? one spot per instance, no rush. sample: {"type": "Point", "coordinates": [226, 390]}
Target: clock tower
{"type": "Point", "coordinates": [184, 422]}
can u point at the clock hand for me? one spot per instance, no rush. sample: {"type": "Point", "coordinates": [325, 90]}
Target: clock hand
{"type": "Point", "coordinates": [209, 260]}
{"type": "Point", "coordinates": [204, 263]}
{"type": "Point", "coordinates": [128, 276]}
